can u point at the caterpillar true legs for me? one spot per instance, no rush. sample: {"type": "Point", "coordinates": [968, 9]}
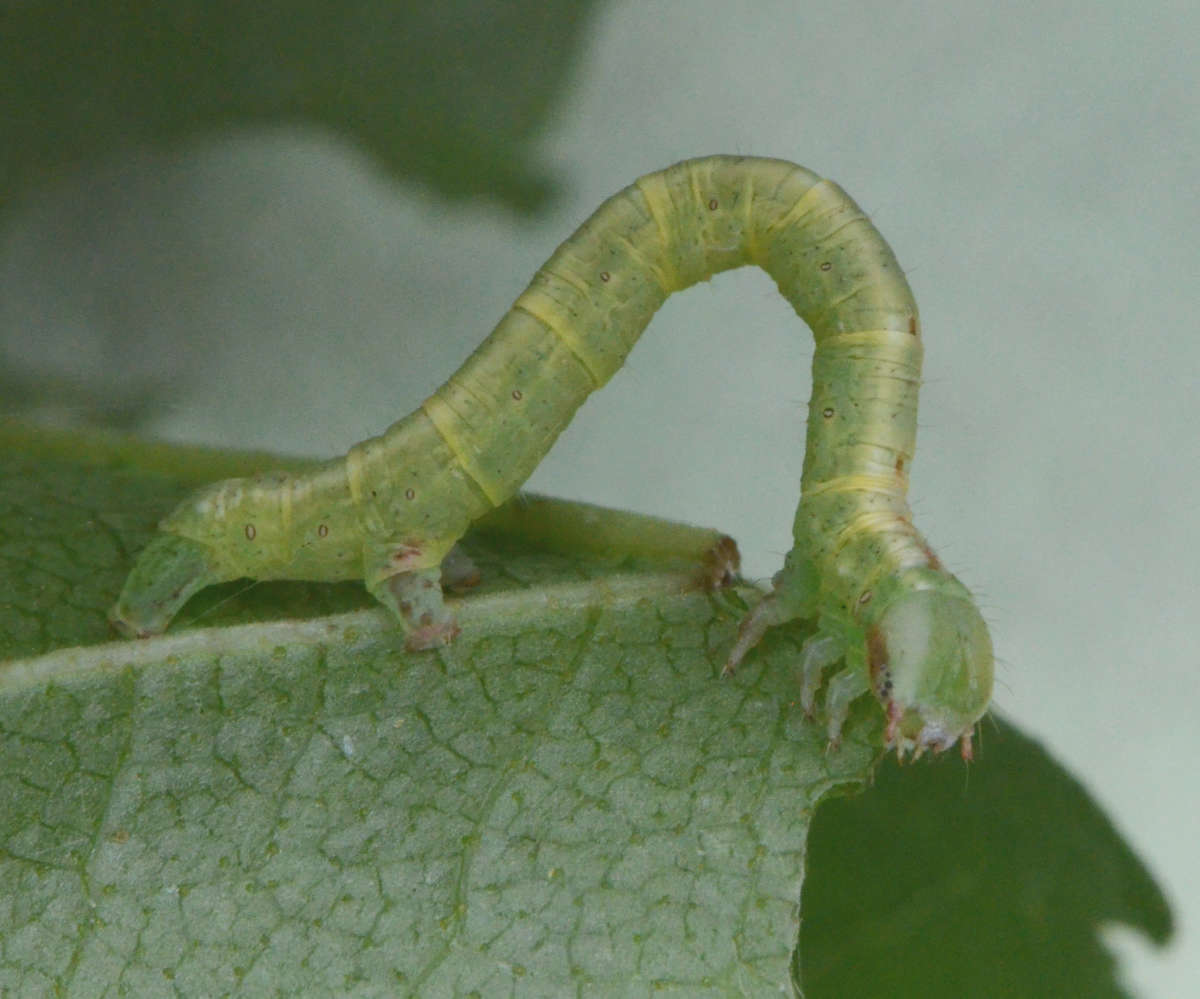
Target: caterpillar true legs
{"type": "Point", "coordinates": [390, 512]}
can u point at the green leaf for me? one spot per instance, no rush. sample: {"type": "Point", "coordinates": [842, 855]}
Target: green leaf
{"type": "Point", "coordinates": [568, 800]}
{"type": "Point", "coordinates": [451, 93]}
{"type": "Point", "coordinates": [995, 882]}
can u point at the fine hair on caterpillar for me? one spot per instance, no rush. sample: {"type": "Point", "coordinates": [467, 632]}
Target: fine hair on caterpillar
{"type": "Point", "coordinates": [390, 512]}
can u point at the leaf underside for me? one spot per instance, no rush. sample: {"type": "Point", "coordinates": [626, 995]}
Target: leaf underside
{"type": "Point", "coordinates": [566, 801]}
{"type": "Point", "coordinates": [275, 798]}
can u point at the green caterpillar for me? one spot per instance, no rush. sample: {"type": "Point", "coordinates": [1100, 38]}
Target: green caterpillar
{"type": "Point", "coordinates": [392, 509]}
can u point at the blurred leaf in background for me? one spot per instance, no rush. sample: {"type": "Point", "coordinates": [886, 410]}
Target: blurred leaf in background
{"type": "Point", "coordinates": [450, 93]}
{"type": "Point", "coordinates": [161, 151]}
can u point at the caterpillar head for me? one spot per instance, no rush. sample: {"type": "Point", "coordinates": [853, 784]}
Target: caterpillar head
{"type": "Point", "coordinates": [929, 657]}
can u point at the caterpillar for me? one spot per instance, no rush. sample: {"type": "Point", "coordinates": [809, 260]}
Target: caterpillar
{"type": "Point", "coordinates": [391, 510]}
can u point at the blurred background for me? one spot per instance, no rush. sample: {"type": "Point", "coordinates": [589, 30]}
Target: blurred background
{"type": "Point", "coordinates": [283, 230]}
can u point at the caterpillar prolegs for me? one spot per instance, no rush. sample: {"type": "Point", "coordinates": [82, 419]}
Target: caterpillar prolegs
{"type": "Point", "coordinates": [392, 509]}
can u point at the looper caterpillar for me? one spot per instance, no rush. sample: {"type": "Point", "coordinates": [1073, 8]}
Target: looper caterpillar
{"type": "Point", "coordinates": [392, 509]}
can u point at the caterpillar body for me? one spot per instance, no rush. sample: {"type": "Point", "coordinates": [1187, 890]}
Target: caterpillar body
{"type": "Point", "coordinates": [392, 509]}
